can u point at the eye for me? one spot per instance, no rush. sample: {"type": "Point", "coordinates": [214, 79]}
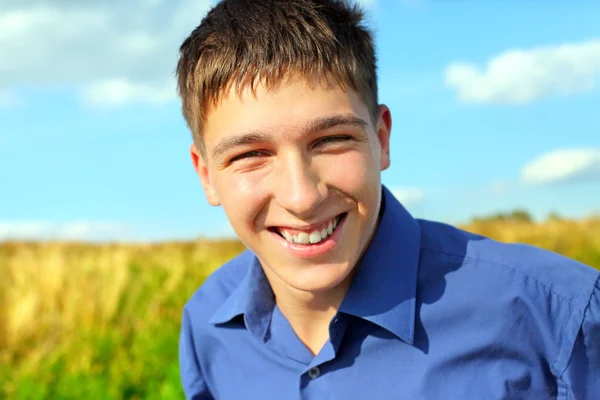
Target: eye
{"type": "Point", "coordinates": [332, 139]}
{"type": "Point", "coordinates": [249, 154]}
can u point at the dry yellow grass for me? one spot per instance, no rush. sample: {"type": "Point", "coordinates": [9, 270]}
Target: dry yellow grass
{"type": "Point", "coordinates": [578, 239]}
{"type": "Point", "coordinates": [55, 296]}
{"type": "Point", "coordinates": [52, 290]}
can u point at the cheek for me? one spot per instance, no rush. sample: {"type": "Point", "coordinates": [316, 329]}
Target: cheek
{"type": "Point", "coordinates": [349, 172]}
{"type": "Point", "coordinates": [242, 196]}
{"type": "Point", "coordinates": [355, 174]}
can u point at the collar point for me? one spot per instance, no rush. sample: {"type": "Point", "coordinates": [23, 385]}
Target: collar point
{"type": "Point", "coordinates": [218, 319]}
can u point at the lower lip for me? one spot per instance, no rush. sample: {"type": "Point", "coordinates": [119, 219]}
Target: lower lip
{"type": "Point", "coordinates": [313, 250]}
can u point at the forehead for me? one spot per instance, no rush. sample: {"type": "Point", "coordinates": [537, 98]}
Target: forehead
{"type": "Point", "coordinates": [285, 107]}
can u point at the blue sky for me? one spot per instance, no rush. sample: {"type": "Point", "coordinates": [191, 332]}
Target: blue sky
{"type": "Point", "coordinates": [495, 105]}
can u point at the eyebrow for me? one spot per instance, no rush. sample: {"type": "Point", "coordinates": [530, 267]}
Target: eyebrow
{"type": "Point", "coordinates": [316, 125]}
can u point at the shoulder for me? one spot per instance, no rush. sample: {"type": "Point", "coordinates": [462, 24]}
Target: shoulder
{"type": "Point", "coordinates": [522, 288]}
{"type": "Point", "coordinates": [217, 287]}
{"type": "Point", "coordinates": [560, 275]}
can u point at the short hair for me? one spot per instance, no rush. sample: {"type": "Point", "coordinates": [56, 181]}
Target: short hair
{"type": "Point", "coordinates": [244, 42]}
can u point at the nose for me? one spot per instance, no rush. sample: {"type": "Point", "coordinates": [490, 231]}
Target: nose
{"type": "Point", "coordinates": [299, 188]}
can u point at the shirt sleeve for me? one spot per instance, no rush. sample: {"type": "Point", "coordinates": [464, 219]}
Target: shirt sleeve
{"type": "Point", "coordinates": [582, 374]}
{"type": "Point", "coordinates": [192, 380]}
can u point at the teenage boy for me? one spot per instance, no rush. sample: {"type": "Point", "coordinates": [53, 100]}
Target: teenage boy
{"type": "Point", "coordinates": [341, 293]}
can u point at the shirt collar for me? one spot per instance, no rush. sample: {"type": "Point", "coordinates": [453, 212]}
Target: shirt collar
{"type": "Point", "coordinates": [252, 298]}
{"type": "Point", "coordinates": [383, 290]}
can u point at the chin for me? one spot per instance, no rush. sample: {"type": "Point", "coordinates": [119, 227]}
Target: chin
{"type": "Point", "coordinates": [318, 278]}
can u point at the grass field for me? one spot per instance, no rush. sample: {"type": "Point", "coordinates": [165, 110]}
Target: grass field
{"type": "Point", "coordinates": [83, 321]}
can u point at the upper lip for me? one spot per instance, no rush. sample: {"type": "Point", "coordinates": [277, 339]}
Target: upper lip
{"type": "Point", "coordinates": [307, 228]}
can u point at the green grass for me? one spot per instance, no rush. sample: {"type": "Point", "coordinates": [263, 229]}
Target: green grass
{"type": "Point", "coordinates": [117, 344]}
{"type": "Point", "coordinates": [82, 321]}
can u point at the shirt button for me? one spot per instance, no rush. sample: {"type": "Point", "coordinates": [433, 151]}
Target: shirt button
{"type": "Point", "coordinates": [314, 372]}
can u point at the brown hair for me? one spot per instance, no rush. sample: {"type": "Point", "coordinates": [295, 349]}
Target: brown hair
{"type": "Point", "coordinates": [244, 41]}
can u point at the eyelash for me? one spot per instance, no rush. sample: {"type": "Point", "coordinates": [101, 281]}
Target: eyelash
{"type": "Point", "coordinates": [322, 141]}
{"type": "Point", "coordinates": [246, 155]}
{"type": "Point", "coordinates": [329, 139]}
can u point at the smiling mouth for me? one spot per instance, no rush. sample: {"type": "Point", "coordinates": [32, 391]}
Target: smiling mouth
{"type": "Point", "coordinates": [312, 237]}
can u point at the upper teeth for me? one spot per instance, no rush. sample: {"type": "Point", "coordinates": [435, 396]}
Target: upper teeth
{"type": "Point", "coordinates": [311, 237]}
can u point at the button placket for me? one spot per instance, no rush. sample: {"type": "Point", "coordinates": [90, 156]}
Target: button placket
{"type": "Point", "coordinates": [314, 372]}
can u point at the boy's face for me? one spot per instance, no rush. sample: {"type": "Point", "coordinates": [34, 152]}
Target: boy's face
{"type": "Point", "coordinates": [287, 166]}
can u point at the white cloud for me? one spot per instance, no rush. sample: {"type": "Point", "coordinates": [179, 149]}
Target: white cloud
{"type": "Point", "coordinates": [499, 187]}
{"type": "Point", "coordinates": [112, 52]}
{"type": "Point", "coordinates": [7, 98]}
{"type": "Point", "coordinates": [226, 231]}
{"type": "Point", "coordinates": [75, 230]}
{"type": "Point", "coordinates": [408, 196]}
{"type": "Point", "coordinates": [522, 76]}
{"type": "Point", "coordinates": [116, 92]}
{"type": "Point", "coordinates": [563, 165]}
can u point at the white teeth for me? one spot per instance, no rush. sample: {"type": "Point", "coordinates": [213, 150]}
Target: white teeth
{"type": "Point", "coordinates": [315, 237]}
{"type": "Point", "coordinates": [303, 238]}
{"type": "Point", "coordinates": [312, 237]}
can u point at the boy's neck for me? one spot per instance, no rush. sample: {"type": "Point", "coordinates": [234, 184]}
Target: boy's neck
{"type": "Point", "coordinates": [310, 314]}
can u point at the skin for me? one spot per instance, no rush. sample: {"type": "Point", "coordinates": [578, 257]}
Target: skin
{"type": "Point", "coordinates": [291, 176]}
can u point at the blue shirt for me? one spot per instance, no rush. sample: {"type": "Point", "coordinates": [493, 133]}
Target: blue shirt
{"type": "Point", "coordinates": [433, 312]}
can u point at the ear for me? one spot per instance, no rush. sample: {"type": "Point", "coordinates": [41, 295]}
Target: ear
{"type": "Point", "coordinates": [384, 130]}
{"type": "Point", "coordinates": [202, 171]}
